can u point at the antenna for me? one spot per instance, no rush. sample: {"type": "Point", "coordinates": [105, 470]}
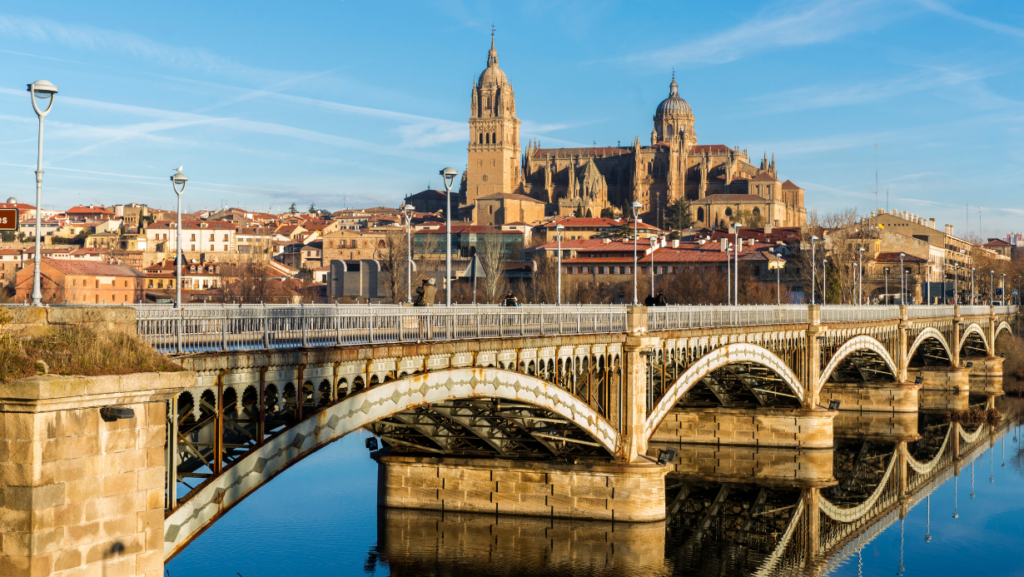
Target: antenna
{"type": "Point", "coordinates": [876, 183]}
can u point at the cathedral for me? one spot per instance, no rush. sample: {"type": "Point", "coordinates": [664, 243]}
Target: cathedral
{"type": "Point", "coordinates": [502, 185]}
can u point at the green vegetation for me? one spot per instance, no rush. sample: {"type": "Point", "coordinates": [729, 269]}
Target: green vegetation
{"type": "Point", "coordinates": [679, 217]}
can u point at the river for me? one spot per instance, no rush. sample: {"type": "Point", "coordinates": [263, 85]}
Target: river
{"type": "Point", "coordinates": [320, 518]}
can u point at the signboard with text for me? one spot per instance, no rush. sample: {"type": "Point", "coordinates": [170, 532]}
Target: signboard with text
{"type": "Point", "coordinates": [8, 219]}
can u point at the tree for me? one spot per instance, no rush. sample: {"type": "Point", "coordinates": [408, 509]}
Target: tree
{"type": "Point", "coordinates": [392, 255]}
{"type": "Point", "coordinates": [750, 218]}
{"type": "Point", "coordinates": [496, 254]}
{"type": "Point", "coordinates": [293, 209]}
{"type": "Point", "coordinates": [679, 216]}
{"type": "Point", "coordinates": [578, 213]}
{"type": "Point", "coordinates": [312, 209]}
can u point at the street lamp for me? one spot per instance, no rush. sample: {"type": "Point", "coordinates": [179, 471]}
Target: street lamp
{"type": "Point", "coordinates": [636, 206]}
{"type": "Point", "coordinates": [778, 282]}
{"type": "Point", "coordinates": [885, 271]}
{"type": "Point", "coordinates": [956, 270]}
{"type": "Point", "coordinates": [824, 283]}
{"type": "Point", "coordinates": [44, 92]}
{"type": "Point", "coordinates": [653, 248]}
{"type": "Point", "coordinates": [408, 209]}
{"type": "Point", "coordinates": [1002, 290]}
{"type": "Point", "coordinates": [991, 285]}
{"type": "Point", "coordinates": [903, 281]}
{"type": "Point", "coordinates": [178, 179]}
{"type": "Point", "coordinates": [739, 248]}
{"type": "Point", "coordinates": [558, 231]}
{"type": "Point", "coordinates": [728, 273]}
{"type": "Point", "coordinates": [974, 296]}
{"type": "Point", "coordinates": [448, 176]}
{"type": "Point", "coordinates": [860, 276]}
{"type": "Point", "coordinates": [814, 277]}
{"type": "Point", "coordinates": [928, 282]}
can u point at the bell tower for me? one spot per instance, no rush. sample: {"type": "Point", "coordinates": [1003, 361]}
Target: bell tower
{"type": "Point", "coordinates": [493, 134]}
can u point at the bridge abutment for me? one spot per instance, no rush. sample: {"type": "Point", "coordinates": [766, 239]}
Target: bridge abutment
{"type": "Point", "coordinates": [886, 397]}
{"type": "Point", "coordinates": [762, 427]}
{"type": "Point", "coordinates": [83, 493]}
{"type": "Point", "coordinates": [986, 375]}
{"type": "Point", "coordinates": [594, 491]}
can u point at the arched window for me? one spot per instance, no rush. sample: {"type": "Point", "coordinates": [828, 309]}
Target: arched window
{"type": "Point", "coordinates": [700, 215]}
{"type": "Point", "coordinates": [728, 212]}
{"type": "Point", "coordinates": [494, 137]}
{"type": "Point", "coordinates": [671, 130]}
{"type": "Point", "coordinates": [488, 101]}
{"type": "Point", "coordinates": [488, 138]}
{"type": "Point", "coordinates": [481, 138]}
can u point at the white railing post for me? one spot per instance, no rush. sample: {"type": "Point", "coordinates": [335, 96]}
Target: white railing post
{"type": "Point", "coordinates": [224, 328]}
{"type": "Point", "coordinates": [266, 327]}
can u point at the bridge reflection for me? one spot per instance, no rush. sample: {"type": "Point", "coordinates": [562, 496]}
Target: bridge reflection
{"type": "Point", "coordinates": [730, 510]}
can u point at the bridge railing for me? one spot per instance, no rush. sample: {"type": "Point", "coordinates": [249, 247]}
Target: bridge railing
{"type": "Point", "coordinates": [211, 328]}
{"type": "Point", "coordinates": [693, 317]}
{"type": "Point", "coordinates": [929, 311]}
{"type": "Point", "coordinates": [854, 313]}
{"type": "Point", "coordinates": [974, 310]}
{"type": "Point", "coordinates": [1005, 310]}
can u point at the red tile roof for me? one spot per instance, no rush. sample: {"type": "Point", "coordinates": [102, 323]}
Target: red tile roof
{"type": "Point", "coordinates": [997, 242]}
{"type": "Point", "coordinates": [588, 151]}
{"type": "Point", "coordinates": [710, 148]}
{"type": "Point", "coordinates": [92, 268]}
{"type": "Point", "coordinates": [763, 176]}
{"type": "Point", "coordinates": [789, 185]}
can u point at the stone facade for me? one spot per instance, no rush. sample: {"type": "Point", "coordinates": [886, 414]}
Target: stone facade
{"type": "Point", "coordinates": [722, 182]}
{"type": "Point", "coordinates": [81, 495]}
{"type": "Point", "coordinates": [611, 492]}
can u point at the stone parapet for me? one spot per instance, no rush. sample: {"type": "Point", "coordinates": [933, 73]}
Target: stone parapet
{"type": "Point", "coordinates": [882, 397]}
{"type": "Point", "coordinates": [101, 319]}
{"type": "Point", "coordinates": [605, 491]}
{"type": "Point", "coordinates": [763, 466]}
{"type": "Point", "coordinates": [81, 495]}
{"type": "Point", "coordinates": [795, 428]}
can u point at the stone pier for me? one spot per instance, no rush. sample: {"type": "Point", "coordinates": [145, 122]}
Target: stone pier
{"type": "Point", "coordinates": [872, 396]}
{"type": "Point", "coordinates": [986, 374]}
{"type": "Point", "coordinates": [764, 466]}
{"type": "Point", "coordinates": [81, 493]}
{"type": "Point", "coordinates": [597, 491]}
{"type": "Point", "coordinates": [762, 427]}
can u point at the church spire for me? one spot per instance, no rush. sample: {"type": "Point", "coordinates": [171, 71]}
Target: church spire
{"type": "Point", "coordinates": [492, 54]}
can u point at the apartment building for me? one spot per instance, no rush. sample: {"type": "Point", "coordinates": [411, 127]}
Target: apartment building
{"type": "Point", "coordinates": [198, 236]}
{"type": "Point", "coordinates": [68, 281]}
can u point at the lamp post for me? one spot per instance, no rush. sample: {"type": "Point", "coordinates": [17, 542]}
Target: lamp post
{"type": "Point", "coordinates": [956, 270]}
{"type": "Point", "coordinates": [736, 285]}
{"type": "Point", "coordinates": [814, 277]}
{"type": "Point", "coordinates": [636, 206]}
{"type": "Point", "coordinates": [974, 295]}
{"type": "Point", "coordinates": [728, 274]}
{"type": "Point", "coordinates": [824, 283]}
{"type": "Point", "coordinates": [178, 179]}
{"type": "Point", "coordinates": [1018, 290]}
{"type": "Point", "coordinates": [885, 271]}
{"type": "Point", "coordinates": [654, 247]}
{"type": "Point", "coordinates": [928, 282]}
{"type": "Point", "coordinates": [44, 92]}
{"type": "Point", "coordinates": [778, 282]}
{"type": "Point", "coordinates": [902, 280]}
{"type": "Point", "coordinates": [860, 276]}
{"type": "Point", "coordinates": [1002, 290]}
{"type": "Point", "coordinates": [408, 249]}
{"type": "Point", "coordinates": [558, 230]}
{"type": "Point", "coordinates": [991, 286]}
{"type": "Point", "coordinates": [448, 176]}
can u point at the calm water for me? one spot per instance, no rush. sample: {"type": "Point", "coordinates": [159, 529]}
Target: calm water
{"type": "Point", "coordinates": [320, 518]}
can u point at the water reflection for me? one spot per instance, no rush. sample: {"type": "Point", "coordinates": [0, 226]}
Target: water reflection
{"type": "Point", "coordinates": [736, 511]}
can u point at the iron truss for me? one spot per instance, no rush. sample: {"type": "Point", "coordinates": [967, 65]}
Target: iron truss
{"type": "Point", "coordinates": [930, 353]}
{"type": "Point", "coordinates": [974, 346]}
{"type": "Point", "coordinates": [485, 427]}
{"type": "Point", "coordinates": [740, 385]}
{"type": "Point", "coordinates": [862, 366]}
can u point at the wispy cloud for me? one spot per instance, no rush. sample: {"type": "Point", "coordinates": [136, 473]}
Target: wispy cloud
{"type": "Point", "coordinates": [947, 10]}
{"type": "Point", "coordinates": [80, 37]}
{"type": "Point", "coordinates": [819, 96]}
{"type": "Point", "coordinates": [914, 176]}
{"type": "Point", "coordinates": [777, 27]}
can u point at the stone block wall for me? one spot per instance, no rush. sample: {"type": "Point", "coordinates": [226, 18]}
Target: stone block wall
{"type": "Point", "coordinates": [797, 428]}
{"type": "Point", "coordinates": [759, 465]}
{"type": "Point", "coordinates": [880, 397]}
{"type": "Point", "coordinates": [611, 492]}
{"type": "Point", "coordinates": [106, 319]}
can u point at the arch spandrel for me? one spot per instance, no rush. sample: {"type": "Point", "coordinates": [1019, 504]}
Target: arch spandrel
{"type": "Point", "coordinates": [857, 343]}
{"type": "Point", "coordinates": [359, 410]}
{"type": "Point", "coordinates": [720, 357]}
{"type": "Point", "coordinates": [1003, 326]}
{"type": "Point", "coordinates": [927, 333]}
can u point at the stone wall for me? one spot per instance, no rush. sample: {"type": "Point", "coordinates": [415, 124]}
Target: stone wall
{"type": "Point", "coordinates": [883, 397]}
{"type": "Point", "coordinates": [80, 495]}
{"type": "Point", "coordinates": [35, 319]}
{"type": "Point", "coordinates": [604, 491]}
{"type": "Point", "coordinates": [766, 466]}
{"type": "Point", "coordinates": [798, 428]}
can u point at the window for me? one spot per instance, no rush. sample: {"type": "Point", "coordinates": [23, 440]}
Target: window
{"type": "Point", "coordinates": [211, 238]}
{"type": "Point", "coordinates": [225, 248]}
{"type": "Point", "coordinates": [97, 283]}
{"type": "Point", "coordinates": [494, 138]}
{"type": "Point", "coordinates": [193, 239]}
{"type": "Point", "coordinates": [193, 248]}
{"type": "Point", "coordinates": [481, 138]}
{"type": "Point", "coordinates": [225, 238]}
{"type": "Point", "coordinates": [488, 138]}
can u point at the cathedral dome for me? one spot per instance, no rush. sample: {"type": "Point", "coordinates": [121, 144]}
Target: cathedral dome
{"type": "Point", "coordinates": [674, 104]}
{"type": "Point", "coordinates": [492, 74]}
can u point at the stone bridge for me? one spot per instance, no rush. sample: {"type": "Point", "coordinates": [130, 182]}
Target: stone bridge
{"type": "Point", "coordinates": [558, 412]}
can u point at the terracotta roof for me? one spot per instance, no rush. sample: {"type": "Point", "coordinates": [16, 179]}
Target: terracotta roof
{"type": "Point", "coordinates": [93, 268]}
{"type": "Point", "coordinates": [997, 242]}
{"type": "Point", "coordinates": [88, 210]}
{"type": "Point", "coordinates": [710, 148]}
{"type": "Point", "coordinates": [571, 222]}
{"type": "Point", "coordinates": [195, 225]}
{"type": "Point", "coordinates": [789, 185]}
{"type": "Point", "coordinates": [764, 176]}
{"type": "Point", "coordinates": [588, 151]}
{"type": "Point", "coordinates": [729, 198]}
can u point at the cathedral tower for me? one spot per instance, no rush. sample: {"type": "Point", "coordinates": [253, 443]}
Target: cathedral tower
{"type": "Point", "coordinates": [674, 119]}
{"type": "Point", "coordinates": [493, 134]}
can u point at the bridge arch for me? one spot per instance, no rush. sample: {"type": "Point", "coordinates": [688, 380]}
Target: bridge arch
{"type": "Point", "coordinates": [974, 328]}
{"type": "Point", "coordinates": [929, 333]}
{"type": "Point", "coordinates": [858, 343]}
{"type": "Point", "coordinates": [1003, 326]}
{"type": "Point", "coordinates": [720, 357]}
{"type": "Point", "coordinates": [258, 467]}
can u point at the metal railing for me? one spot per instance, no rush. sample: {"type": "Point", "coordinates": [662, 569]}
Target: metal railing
{"type": "Point", "coordinates": [929, 311]}
{"type": "Point", "coordinates": [974, 310]}
{"type": "Point", "coordinates": [212, 328]}
{"type": "Point", "coordinates": [694, 317]}
{"type": "Point", "coordinates": [1005, 310]}
{"type": "Point", "coordinates": [854, 313]}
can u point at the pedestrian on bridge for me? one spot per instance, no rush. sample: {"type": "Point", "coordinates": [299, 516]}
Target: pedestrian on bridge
{"type": "Point", "coordinates": [425, 293]}
{"type": "Point", "coordinates": [510, 301]}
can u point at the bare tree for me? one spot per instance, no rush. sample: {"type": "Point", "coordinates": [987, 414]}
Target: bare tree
{"type": "Point", "coordinates": [496, 255]}
{"type": "Point", "coordinates": [840, 234]}
{"type": "Point", "coordinates": [392, 254]}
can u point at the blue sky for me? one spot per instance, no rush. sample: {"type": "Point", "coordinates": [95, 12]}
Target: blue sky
{"type": "Point", "coordinates": [360, 103]}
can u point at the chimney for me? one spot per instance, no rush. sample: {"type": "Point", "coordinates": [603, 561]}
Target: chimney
{"type": "Point", "coordinates": [768, 229]}
{"type": "Point", "coordinates": [949, 229]}
{"type": "Point", "coordinates": [931, 223]}
{"type": "Point", "coordinates": [675, 243]}
{"type": "Point", "coordinates": [872, 214]}
{"type": "Point", "coordinates": [725, 246]}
